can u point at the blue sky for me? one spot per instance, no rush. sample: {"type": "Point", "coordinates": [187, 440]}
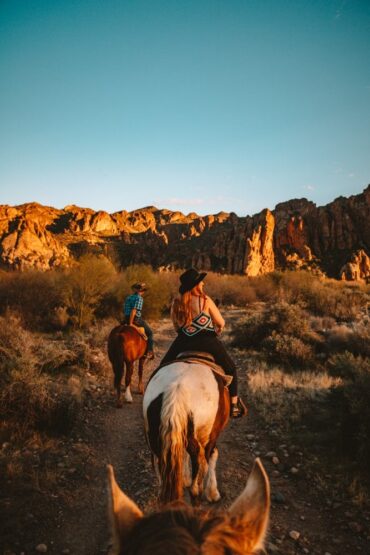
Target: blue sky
{"type": "Point", "coordinates": [194, 105]}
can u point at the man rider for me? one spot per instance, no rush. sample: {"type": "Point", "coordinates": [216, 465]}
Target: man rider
{"type": "Point", "coordinates": [132, 309]}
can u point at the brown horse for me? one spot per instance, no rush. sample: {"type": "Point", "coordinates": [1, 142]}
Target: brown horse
{"type": "Point", "coordinates": [178, 529]}
{"type": "Point", "coordinates": [125, 346]}
{"type": "Point", "coordinates": [186, 406]}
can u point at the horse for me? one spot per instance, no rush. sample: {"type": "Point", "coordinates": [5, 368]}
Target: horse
{"type": "Point", "coordinates": [126, 345]}
{"type": "Point", "coordinates": [186, 406]}
{"type": "Point", "coordinates": [178, 529]}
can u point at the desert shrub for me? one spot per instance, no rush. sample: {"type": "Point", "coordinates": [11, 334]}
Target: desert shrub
{"type": "Point", "coordinates": [334, 299]}
{"type": "Point", "coordinates": [348, 366]}
{"type": "Point", "coordinates": [31, 401]}
{"type": "Point", "coordinates": [266, 287]}
{"type": "Point", "coordinates": [158, 297]}
{"type": "Point", "coordinates": [85, 285]}
{"type": "Point", "coordinates": [29, 398]}
{"type": "Point", "coordinates": [361, 338]}
{"type": "Point", "coordinates": [322, 323]}
{"type": "Point", "coordinates": [282, 331]}
{"type": "Point", "coordinates": [282, 318]}
{"type": "Point", "coordinates": [355, 339]}
{"type": "Point", "coordinates": [352, 407]}
{"type": "Point", "coordinates": [16, 346]}
{"type": "Point", "coordinates": [230, 290]}
{"type": "Point", "coordinates": [322, 296]}
{"type": "Point", "coordinates": [34, 295]}
{"type": "Point", "coordinates": [251, 332]}
{"type": "Point", "coordinates": [284, 399]}
{"type": "Point", "coordinates": [288, 349]}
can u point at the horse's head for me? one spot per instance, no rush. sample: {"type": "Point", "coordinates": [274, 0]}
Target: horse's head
{"type": "Point", "coordinates": [181, 530]}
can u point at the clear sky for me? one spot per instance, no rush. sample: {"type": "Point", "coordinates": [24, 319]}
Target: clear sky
{"type": "Point", "coordinates": [201, 105]}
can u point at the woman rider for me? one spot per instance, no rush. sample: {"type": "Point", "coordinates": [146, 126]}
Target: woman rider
{"type": "Point", "coordinates": [197, 321]}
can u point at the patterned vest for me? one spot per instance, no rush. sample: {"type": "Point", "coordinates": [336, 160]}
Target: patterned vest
{"type": "Point", "coordinates": [201, 322]}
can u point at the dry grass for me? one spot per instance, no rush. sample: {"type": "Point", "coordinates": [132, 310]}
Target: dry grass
{"type": "Point", "coordinates": [282, 398]}
{"type": "Point", "coordinates": [31, 398]}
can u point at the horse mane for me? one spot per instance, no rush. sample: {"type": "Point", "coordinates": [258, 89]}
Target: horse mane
{"type": "Point", "coordinates": [182, 530]}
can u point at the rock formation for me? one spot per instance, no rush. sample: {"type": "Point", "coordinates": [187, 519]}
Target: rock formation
{"type": "Point", "coordinates": [334, 239]}
{"type": "Point", "coordinates": [357, 268]}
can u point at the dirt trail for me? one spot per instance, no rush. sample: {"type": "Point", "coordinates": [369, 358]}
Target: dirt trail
{"type": "Point", "coordinates": [116, 436]}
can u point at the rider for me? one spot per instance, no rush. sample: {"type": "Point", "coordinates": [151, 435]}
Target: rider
{"type": "Point", "coordinates": [198, 321]}
{"type": "Point", "coordinates": [132, 308]}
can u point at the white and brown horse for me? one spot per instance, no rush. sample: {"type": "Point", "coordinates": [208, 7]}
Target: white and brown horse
{"type": "Point", "coordinates": [126, 345]}
{"type": "Point", "coordinates": [186, 406]}
{"type": "Point", "coordinates": [178, 529]}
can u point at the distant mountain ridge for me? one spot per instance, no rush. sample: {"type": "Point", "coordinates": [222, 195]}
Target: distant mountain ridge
{"type": "Point", "coordinates": [334, 238]}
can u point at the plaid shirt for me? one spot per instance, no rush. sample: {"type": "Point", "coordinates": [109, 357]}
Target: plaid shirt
{"type": "Point", "coordinates": [133, 301]}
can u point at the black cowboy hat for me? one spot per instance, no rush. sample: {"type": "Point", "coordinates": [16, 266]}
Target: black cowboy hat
{"type": "Point", "coordinates": [139, 287]}
{"type": "Point", "coordinates": [190, 279]}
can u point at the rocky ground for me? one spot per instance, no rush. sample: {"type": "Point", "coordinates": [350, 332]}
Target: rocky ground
{"type": "Point", "coordinates": [60, 505]}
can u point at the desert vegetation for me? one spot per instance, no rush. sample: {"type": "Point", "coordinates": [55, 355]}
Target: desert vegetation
{"type": "Point", "coordinates": [303, 339]}
{"type": "Point", "coordinates": [309, 369]}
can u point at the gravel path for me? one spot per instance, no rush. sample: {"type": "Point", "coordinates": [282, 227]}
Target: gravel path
{"type": "Point", "coordinates": [302, 520]}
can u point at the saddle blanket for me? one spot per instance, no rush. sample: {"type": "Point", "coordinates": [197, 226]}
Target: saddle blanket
{"type": "Point", "coordinates": [195, 357]}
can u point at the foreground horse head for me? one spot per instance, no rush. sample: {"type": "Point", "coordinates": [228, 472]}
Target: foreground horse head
{"type": "Point", "coordinates": [181, 530]}
{"type": "Point", "coordinates": [185, 408]}
{"type": "Point", "coordinates": [125, 346]}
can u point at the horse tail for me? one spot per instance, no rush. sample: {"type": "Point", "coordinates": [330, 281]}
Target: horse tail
{"type": "Point", "coordinates": [173, 434]}
{"type": "Point", "coordinates": [115, 353]}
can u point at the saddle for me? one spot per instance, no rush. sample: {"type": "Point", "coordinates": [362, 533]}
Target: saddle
{"type": "Point", "coordinates": [196, 357]}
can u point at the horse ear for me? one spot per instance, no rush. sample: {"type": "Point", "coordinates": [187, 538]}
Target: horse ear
{"type": "Point", "coordinates": [252, 507]}
{"type": "Point", "coordinates": [123, 512]}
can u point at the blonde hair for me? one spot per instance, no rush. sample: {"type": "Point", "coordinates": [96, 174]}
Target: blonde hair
{"type": "Point", "coordinates": [181, 312]}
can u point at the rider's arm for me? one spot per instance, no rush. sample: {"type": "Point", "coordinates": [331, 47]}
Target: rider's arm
{"type": "Point", "coordinates": [132, 316]}
{"type": "Point", "coordinates": [217, 319]}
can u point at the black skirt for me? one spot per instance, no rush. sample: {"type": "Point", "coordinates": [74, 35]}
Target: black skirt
{"type": "Point", "coordinates": [207, 342]}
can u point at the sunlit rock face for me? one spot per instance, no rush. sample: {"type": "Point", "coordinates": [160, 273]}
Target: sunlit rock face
{"type": "Point", "coordinates": [27, 239]}
{"type": "Point", "coordinates": [358, 268]}
{"type": "Point", "coordinates": [334, 239]}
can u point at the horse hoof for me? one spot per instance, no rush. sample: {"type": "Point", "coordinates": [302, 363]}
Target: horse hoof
{"type": "Point", "coordinates": [128, 396]}
{"type": "Point", "coordinates": [140, 390]}
{"type": "Point", "coordinates": [119, 404]}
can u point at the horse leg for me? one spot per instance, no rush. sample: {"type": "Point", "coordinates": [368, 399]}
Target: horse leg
{"type": "Point", "coordinates": [118, 373]}
{"type": "Point", "coordinates": [199, 467]}
{"type": "Point", "coordinates": [211, 490]}
{"type": "Point", "coordinates": [203, 469]}
{"type": "Point", "coordinates": [129, 370]}
{"type": "Point", "coordinates": [141, 368]}
{"type": "Point", "coordinates": [193, 448]}
{"type": "Point", "coordinates": [187, 470]}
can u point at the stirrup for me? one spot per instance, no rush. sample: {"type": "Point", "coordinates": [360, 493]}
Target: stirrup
{"type": "Point", "coordinates": [238, 409]}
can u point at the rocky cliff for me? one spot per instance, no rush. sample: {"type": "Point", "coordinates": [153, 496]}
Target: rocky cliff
{"type": "Point", "coordinates": [334, 239]}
